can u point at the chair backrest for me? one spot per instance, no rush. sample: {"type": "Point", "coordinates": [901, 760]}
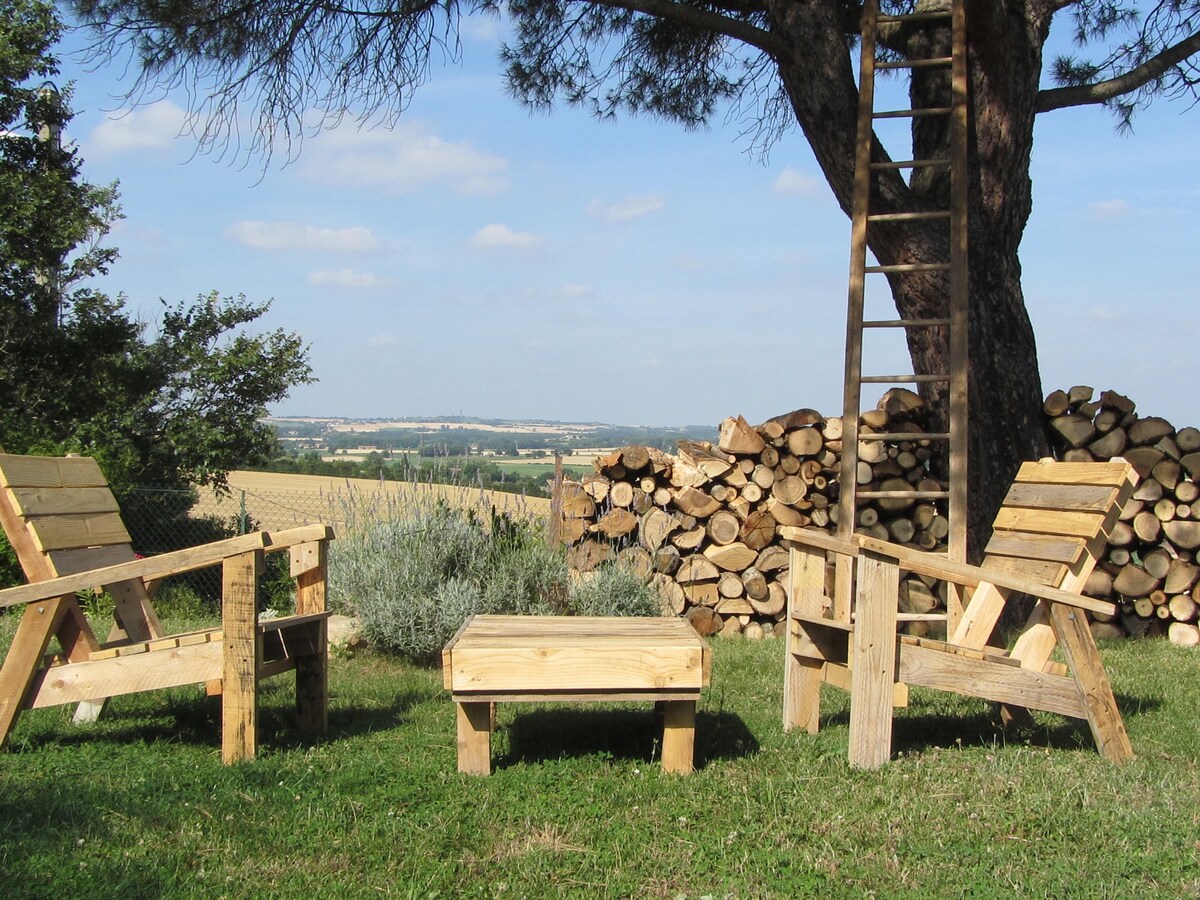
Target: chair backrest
{"type": "Point", "coordinates": [61, 518]}
{"type": "Point", "coordinates": [1056, 518]}
{"type": "Point", "coordinates": [60, 515]}
{"type": "Point", "coordinates": [1051, 528]}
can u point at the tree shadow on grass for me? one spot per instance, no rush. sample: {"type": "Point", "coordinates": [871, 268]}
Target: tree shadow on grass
{"type": "Point", "coordinates": [943, 720]}
{"type": "Point", "coordinates": [627, 734]}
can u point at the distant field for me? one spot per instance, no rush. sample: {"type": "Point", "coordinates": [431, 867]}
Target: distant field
{"type": "Point", "coordinates": [282, 501]}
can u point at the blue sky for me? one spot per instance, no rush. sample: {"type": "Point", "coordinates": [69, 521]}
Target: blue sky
{"type": "Point", "coordinates": [480, 260]}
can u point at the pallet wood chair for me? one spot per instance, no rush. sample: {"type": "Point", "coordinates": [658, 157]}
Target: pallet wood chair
{"type": "Point", "coordinates": [1048, 535]}
{"type": "Point", "coordinates": [63, 522]}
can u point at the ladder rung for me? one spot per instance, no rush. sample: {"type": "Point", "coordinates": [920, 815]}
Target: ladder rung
{"type": "Point", "coordinates": [904, 436]}
{"type": "Point", "coordinates": [914, 17]}
{"type": "Point", "coordinates": [903, 495]}
{"type": "Point", "coordinates": [927, 216]}
{"type": "Point", "coordinates": [903, 379]}
{"type": "Point", "coordinates": [912, 113]}
{"type": "Point", "coordinates": [913, 63]}
{"type": "Point", "coordinates": [906, 323]}
{"type": "Point", "coordinates": [912, 164]}
{"type": "Point", "coordinates": [910, 267]}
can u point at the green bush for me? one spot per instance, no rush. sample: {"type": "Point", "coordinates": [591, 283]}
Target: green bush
{"type": "Point", "coordinates": [413, 574]}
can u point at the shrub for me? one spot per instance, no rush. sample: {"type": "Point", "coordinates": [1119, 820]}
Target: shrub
{"type": "Point", "coordinates": [414, 571]}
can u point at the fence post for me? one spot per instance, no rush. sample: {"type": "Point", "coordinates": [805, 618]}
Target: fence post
{"type": "Point", "coordinates": [242, 523]}
{"type": "Point", "coordinates": [554, 531]}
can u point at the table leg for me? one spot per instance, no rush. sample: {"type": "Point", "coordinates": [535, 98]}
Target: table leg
{"type": "Point", "coordinates": [679, 735]}
{"type": "Point", "coordinates": [475, 738]}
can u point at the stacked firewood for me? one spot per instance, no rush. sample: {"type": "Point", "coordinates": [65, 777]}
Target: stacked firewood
{"type": "Point", "coordinates": [704, 525]}
{"type": "Point", "coordinates": [1151, 565]}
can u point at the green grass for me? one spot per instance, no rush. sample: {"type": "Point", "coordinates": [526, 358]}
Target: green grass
{"type": "Point", "coordinates": [138, 805]}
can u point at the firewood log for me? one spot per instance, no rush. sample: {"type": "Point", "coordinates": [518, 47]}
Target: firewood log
{"type": "Point", "coordinates": [689, 539]}
{"type": "Point", "coordinates": [758, 530]}
{"type": "Point", "coordinates": [737, 436]}
{"type": "Point", "coordinates": [1182, 608]}
{"type": "Point", "coordinates": [723, 527]}
{"type": "Point", "coordinates": [596, 486]}
{"type": "Point", "coordinates": [696, 568]}
{"type": "Point", "coordinates": [1073, 431]}
{"type": "Point", "coordinates": [1181, 575]}
{"type": "Point", "coordinates": [1134, 581]}
{"type": "Point", "coordinates": [1056, 404]}
{"type": "Point", "coordinates": [1183, 533]}
{"type": "Point", "coordinates": [621, 494]}
{"type": "Point", "coordinates": [617, 522]}
{"type": "Point", "coordinates": [789, 490]}
{"type": "Point", "coordinates": [805, 442]}
{"type": "Point", "coordinates": [773, 603]}
{"type": "Point", "coordinates": [755, 584]}
{"type": "Point", "coordinates": [1188, 439]}
{"type": "Point", "coordinates": [667, 559]}
{"type": "Point", "coordinates": [730, 584]}
{"type": "Point", "coordinates": [771, 558]}
{"type": "Point", "coordinates": [731, 557]}
{"type": "Point", "coordinates": [672, 600]}
{"type": "Point", "coordinates": [1149, 430]}
{"type": "Point", "coordinates": [1183, 635]}
{"type": "Point", "coordinates": [696, 503]}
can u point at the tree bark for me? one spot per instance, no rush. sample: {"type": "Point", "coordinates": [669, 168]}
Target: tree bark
{"type": "Point", "coordinates": [1005, 418]}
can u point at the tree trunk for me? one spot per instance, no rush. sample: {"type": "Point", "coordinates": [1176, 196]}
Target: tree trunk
{"type": "Point", "coordinates": [1006, 422]}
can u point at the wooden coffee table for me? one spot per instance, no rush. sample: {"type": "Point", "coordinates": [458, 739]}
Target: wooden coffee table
{"type": "Point", "coordinates": [504, 659]}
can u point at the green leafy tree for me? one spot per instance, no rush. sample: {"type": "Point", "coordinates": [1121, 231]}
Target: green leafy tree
{"type": "Point", "coordinates": [175, 404]}
{"type": "Point", "coordinates": [780, 63]}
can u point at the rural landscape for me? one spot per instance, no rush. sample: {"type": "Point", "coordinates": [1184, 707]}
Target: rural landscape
{"type": "Point", "coordinates": [275, 622]}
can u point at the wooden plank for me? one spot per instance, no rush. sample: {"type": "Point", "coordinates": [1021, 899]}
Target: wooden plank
{"type": "Point", "coordinates": [1039, 570]}
{"type": "Point", "coordinates": [1095, 498]}
{"type": "Point", "coordinates": [50, 471]}
{"type": "Point", "coordinates": [679, 736]}
{"type": "Point", "coordinates": [515, 668]}
{"type": "Point", "coordinates": [843, 676]}
{"type": "Point", "coordinates": [549, 696]}
{"type": "Point", "coordinates": [17, 674]}
{"type": "Point", "coordinates": [1069, 523]}
{"type": "Point", "coordinates": [64, 532]}
{"type": "Point", "coordinates": [874, 666]}
{"type": "Point", "coordinates": [1031, 546]}
{"type": "Point", "coordinates": [101, 678]}
{"type": "Point", "coordinates": [990, 680]}
{"type": "Point", "coordinates": [1043, 471]}
{"type": "Point", "coordinates": [802, 674]}
{"type": "Point", "coordinates": [475, 738]}
{"type": "Point", "coordinates": [1104, 718]}
{"type": "Point", "coordinates": [239, 694]}
{"type": "Point", "coordinates": [448, 651]}
{"type": "Point", "coordinates": [312, 682]}
{"type": "Point", "coordinates": [161, 566]}
{"type": "Point", "coordinates": [33, 502]}
{"type": "Point", "coordinates": [928, 564]}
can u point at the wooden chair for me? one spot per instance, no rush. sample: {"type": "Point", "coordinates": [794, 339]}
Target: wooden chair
{"type": "Point", "coordinates": [1047, 537]}
{"type": "Point", "coordinates": [63, 522]}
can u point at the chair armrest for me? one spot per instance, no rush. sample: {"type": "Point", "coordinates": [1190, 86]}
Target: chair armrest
{"type": "Point", "coordinates": [290, 537]}
{"type": "Point", "coordinates": [165, 564]}
{"type": "Point", "coordinates": [922, 563]}
{"type": "Point", "coordinates": [819, 540]}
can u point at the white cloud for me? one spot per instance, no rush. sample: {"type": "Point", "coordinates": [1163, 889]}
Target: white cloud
{"type": "Point", "coordinates": [384, 341]}
{"type": "Point", "coordinates": [1101, 314]}
{"type": "Point", "coordinates": [402, 159]}
{"type": "Point", "coordinates": [1108, 210]}
{"type": "Point", "coordinates": [501, 237]}
{"type": "Point", "coordinates": [793, 181]}
{"type": "Point", "coordinates": [152, 128]}
{"type": "Point", "coordinates": [260, 235]}
{"type": "Point", "coordinates": [344, 278]}
{"type": "Point", "coordinates": [628, 209]}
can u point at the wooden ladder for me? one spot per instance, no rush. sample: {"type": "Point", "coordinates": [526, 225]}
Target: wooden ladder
{"type": "Point", "coordinates": [953, 326]}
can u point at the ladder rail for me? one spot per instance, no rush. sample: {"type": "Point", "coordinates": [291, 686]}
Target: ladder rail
{"type": "Point", "coordinates": [953, 323]}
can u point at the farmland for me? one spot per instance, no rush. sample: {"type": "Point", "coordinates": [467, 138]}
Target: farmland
{"type": "Point", "coordinates": [275, 500]}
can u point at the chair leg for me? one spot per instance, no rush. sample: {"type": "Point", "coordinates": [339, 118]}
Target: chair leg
{"type": "Point", "coordinates": [1086, 667]}
{"type": "Point", "coordinates": [801, 693]}
{"type": "Point", "coordinates": [312, 685]}
{"type": "Point", "coordinates": [475, 738]}
{"type": "Point", "coordinates": [239, 694]}
{"type": "Point", "coordinates": [873, 672]}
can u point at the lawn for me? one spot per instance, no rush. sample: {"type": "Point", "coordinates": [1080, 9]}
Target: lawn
{"type": "Point", "coordinates": [138, 805]}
